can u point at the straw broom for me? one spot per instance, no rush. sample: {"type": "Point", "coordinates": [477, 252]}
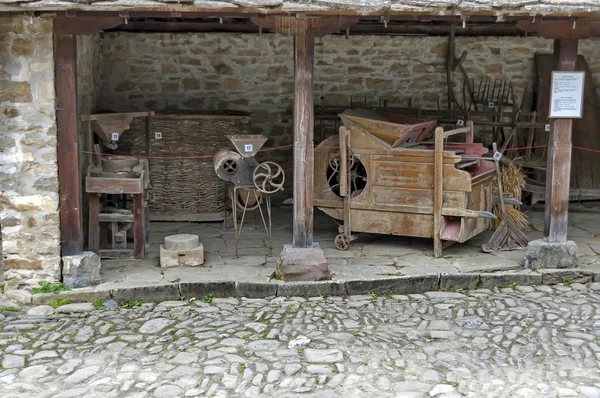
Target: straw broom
{"type": "Point", "coordinates": [513, 180]}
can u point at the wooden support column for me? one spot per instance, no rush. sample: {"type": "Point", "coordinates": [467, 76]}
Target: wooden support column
{"type": "Point", "coordinates": [304, 50]}
{"type": "Point", "coordinates": [559, 155]}
{"type": "Point", "coordinates": [69, 174]}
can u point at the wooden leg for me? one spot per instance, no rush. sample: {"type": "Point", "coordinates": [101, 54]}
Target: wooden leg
{"type": "Point", "coordinates": [139, 242]}
{"type": "Point", "coordinates": [94, 224]}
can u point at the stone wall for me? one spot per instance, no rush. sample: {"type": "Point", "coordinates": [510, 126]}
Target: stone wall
{"type": "Point", "coordinates": [189, 72]}
{"type": "Point", "coordinates": [28, 164]}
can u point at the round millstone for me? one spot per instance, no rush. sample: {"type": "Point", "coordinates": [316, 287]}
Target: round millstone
{"type": "Point", "coordinates": [182, 242]}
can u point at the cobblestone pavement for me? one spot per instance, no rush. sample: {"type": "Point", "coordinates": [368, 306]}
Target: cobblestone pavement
{"type": "Point", "coordinates": [522, 342]}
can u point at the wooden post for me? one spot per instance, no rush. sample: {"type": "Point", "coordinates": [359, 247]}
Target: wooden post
{"type": "Point", "coordinates": [69, 173]}
{"type": "Point", "coordinates": [438, 192]}
{"type": "Point", "coordinates": [304, 48]}
{"type": "Point", "coordinates": [559, 155]}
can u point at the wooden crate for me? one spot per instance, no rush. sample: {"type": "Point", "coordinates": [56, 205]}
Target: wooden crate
{"type": "Point", "coordinates": [185, 189]}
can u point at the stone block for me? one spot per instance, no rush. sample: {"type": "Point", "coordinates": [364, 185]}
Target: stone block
{"type": "Point", "coordinates": [84, 295]}
{"type": "Point", "coordinates": [303, 264]}
{"type": "Point", "coordinates": [543, 254]}
{"type": "Point", "coordinates": [489, 281]}
{"type": "Point", "coordinates": [201, 289]}
{"type": "Point", "coordinates": [312, 289]}
{"type": "Point", "coordinates": [14, 91]}
{"type": "Point", "coordinates": [81, 270]}
{"type": "Point", "coordinates": [188, 258]}
{"type": "Point", "coordinates": [255, 289]}
{"type": "Point", "coordinates": [181, 242]}
{"type": "Point", "coordinates": [22, 263]}
{"type": "Point", "coordinates": [555, 276]}
{"type": "Point", "coordinates": [153, 293]}
{"type": "Point", "coordinates": [20, 296]}
{"type": "Point", "coordinates": [395, 285]}
{"type": "Point", "coordinates": [451, 282]}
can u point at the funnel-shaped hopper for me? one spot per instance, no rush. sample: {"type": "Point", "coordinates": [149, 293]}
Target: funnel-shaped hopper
{"type": "Point", "coordinates": [106, 124]}
{"type": "Point", "coordinates": [247, 145]}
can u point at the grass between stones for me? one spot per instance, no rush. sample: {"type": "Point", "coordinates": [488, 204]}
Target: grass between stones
{"type": "Point", "coordinates": [47, 287]}
{"type": "Point", "coordinates": [9, 309]}
{"type": "Point", "coordinates": [59, 302]}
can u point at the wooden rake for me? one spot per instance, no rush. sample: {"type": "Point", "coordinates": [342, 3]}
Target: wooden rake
{"type": "Point", "coordinates": [507, 236]}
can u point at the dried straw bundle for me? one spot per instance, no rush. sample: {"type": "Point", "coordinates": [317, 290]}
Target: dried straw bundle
{"type": "Point", "coordinates": [513, 180]}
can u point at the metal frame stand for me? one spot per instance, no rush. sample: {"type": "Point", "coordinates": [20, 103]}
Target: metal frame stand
{"type": "Point", "coordinates": [267, 223]}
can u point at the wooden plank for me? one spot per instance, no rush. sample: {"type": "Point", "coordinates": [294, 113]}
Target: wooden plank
{"type": "Point", "coordinates": [189, 217]}
{"type": "Point", "coordinates": [418, 175]}
{"type": "Point", "coordinates": [389, 223]}
{"type": "Point", "coordinates": [94, 223]}
{"type": "Point", "coordinates": [114, 217]}
{"type": "Point", "coordinates": [438, 188]}
{"type": "Point", "coordinates": [416, 197]}
{"type": "Point", "coordinates": [69, 173]}
{"type": "Point", "coordinates": [397, 208]}
{"type": "Point", "coordinates": [101, 116]}
{"type": "Point", "coordinates": [304, 47]}
{"type": "Point", "coordinates": [559, 156]}
{"type": "Point", "coordinates": [139, 241]}
{"type": "Point", "coordinates": [114, 185]}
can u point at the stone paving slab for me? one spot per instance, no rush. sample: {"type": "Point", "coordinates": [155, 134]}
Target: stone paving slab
{"type": "Point", "coordinates": [518, 342]}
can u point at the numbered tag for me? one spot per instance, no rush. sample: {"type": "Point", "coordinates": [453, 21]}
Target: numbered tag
{"type": "Point", "coordinates": [491, 104]}
{"type": "Point", "coordinates": [247, 147]}
{"type": "Point", "coordinates": [547, 127]}
{"type": "Point", "coordinates": [497, 155]}
{"type": "Point", "coordinates": [158, 135]}
{"type": "Point", "coordinates": [460, 122]}
{"type": "Point", "coordinates": [114, 136]}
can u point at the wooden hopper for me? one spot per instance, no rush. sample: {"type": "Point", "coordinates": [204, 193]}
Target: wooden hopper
{"type": "Point", "coordinates": [387, 128]}
{"type": "Point", "coordinates": [247, 145]}
{"type": "Point", "coordinates": [105, 124]}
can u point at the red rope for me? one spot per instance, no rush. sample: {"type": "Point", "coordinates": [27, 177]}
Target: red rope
{"type": "Point", "coordinates": [176, 157]}
{"type": "Point", "coordinates": [586, 149]}
{"type": "Point", "coordinates": [289, 146]}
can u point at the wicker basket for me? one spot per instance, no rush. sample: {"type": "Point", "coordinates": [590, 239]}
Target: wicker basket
{"type": "Point", "coordinates": [185, 189]}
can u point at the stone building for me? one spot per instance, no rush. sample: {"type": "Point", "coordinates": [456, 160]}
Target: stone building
{"type": "Point", "coordinates": [187, 56]}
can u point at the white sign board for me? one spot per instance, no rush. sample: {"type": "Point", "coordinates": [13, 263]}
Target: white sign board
{"type": "Point", "coordinates": [247, 147]}
{"type": "Point", "coordinates": [566, 95]}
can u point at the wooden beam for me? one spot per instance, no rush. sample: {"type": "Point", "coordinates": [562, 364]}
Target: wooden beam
{"type": "Point", "coordinates": [69, 175]}
{"type": "Point", "coordinates": [558, 170]}
{"type": "Point", "coordinates": [302, 25]}
{"type": "Point", "coordinates": [304, 50]}
{"type": "Point", "coordinates": [561, 29]}
{"type": "Point", "coordinates": [84, 25]}
{"type": "Point", "coordinates": [366, 28]}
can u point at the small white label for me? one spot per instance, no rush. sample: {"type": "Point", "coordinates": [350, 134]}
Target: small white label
{"type": "Point", "coordinates": [547, 127]}
{"type": "Point", "coordinates": [460, 122]}
{"type": "Point", "coordinates": [158, 135]}
{"type": "Point", "coordinates": [114, 136]}
{"type": "Point", "coordinates": [247, 147]}
{"type": "Point", "coordinates": [497, 155]}
{"type": "Point", "coordinates": [491, 104]}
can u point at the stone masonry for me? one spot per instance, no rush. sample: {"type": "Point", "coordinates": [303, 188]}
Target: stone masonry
{"type": "Point", "coordinates": [28, 164]}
